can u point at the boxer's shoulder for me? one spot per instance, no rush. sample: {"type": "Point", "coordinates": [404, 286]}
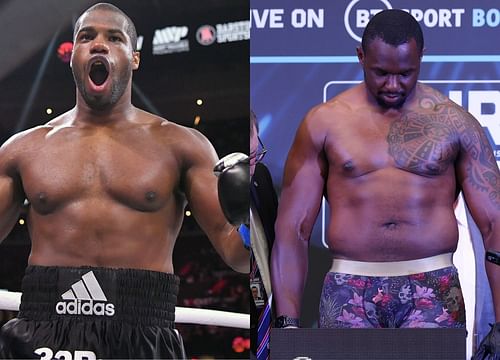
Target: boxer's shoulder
{"type": "Point", "coordinates": [431, 100]}
{"type": "Point", "coordinates": [339, 109]}
{"type": "Point", "coordinates": [22, 143]}
{"type": "Point", "coordinates": [184, 139]}
{"type": "Point", "coordinates": [187, 145]}
{"type": "Point", "coordinates": [435, 104]}
{"type": "Point", "coordinates": [327, 119]}
{"type": "Point", "coordinates": [13, 151]}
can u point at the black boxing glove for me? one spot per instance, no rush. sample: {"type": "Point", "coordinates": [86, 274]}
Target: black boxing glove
{"type": "Point", "coordinates": [233, 171]}
{"type": "Point", "coordinates": [490, 346]}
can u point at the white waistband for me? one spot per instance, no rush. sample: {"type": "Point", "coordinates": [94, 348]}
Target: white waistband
{"type": "Point", "coordinates": [392, 268]}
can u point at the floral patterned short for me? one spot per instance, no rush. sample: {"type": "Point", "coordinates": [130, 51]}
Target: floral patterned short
{"type": "Point", "coordinates": [425, 300]}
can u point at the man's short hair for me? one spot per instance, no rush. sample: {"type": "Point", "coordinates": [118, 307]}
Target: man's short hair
{"type": "Point", "coordinates": [394, 27]}
{"type": "Point", "coordinates": [130, 29]}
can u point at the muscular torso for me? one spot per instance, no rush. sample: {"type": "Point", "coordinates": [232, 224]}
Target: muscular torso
{"type": "Point", "coordinates": [391, 180]}
{"type": "Point", "coordinates": [104, 197]}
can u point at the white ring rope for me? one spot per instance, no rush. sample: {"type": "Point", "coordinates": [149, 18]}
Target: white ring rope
{"type": "Point", "coordinates": [11, 300]}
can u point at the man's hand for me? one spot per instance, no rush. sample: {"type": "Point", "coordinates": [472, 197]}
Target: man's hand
{"type": "Point", "coordinates": [490, 346]}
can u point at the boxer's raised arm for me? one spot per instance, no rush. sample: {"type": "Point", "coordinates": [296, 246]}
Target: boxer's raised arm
{"type": "Point", "coordinates": [304, 180]}
{"type": "Point", "coordinates": [200, 186]}
{"type": "Point", "coordinates": [10, 199]}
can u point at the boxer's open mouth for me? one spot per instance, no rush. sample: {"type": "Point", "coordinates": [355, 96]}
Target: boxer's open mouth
{"type": "Point", "coordinates": [98, 73]}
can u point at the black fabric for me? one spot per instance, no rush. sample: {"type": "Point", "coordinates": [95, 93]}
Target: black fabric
{"type": "Point", "coordinates": [126, 313]}
{"type": "Point", "coordinates": [264, 199]}
{"type": "Point", "coordinates": [489, 349]}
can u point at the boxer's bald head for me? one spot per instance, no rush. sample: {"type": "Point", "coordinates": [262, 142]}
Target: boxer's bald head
{"type": "Point", "coordinates": [130, 28]}
{"type": "Point", "coordinates": [394, 27]}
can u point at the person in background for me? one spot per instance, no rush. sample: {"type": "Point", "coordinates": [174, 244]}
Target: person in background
{"type": "Point", "coordinates": [263, 207]}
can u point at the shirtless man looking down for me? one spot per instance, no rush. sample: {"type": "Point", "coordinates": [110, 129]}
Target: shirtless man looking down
{"type": "Point", "coordinates": [107, 185]}
{"type": "Point", "coordinates": [390, 155]}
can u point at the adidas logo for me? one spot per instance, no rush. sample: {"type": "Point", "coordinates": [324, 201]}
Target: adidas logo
{"type": "Point", "coordinates": [85, 297]}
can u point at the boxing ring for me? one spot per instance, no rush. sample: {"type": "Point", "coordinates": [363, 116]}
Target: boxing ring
{"type": "Point", "coordinates": [183, 315]}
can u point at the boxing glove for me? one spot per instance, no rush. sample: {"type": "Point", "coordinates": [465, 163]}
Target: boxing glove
{"type": "Point", "coordinates": [233, 173]}
{"type": "Point", "coordinates": [490, 346]}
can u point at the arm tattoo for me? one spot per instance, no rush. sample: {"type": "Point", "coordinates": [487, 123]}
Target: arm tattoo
{"type": "Point", "coordinates": [483, 173]}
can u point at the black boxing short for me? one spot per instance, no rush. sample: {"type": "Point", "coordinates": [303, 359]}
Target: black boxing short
{"type": "Point", "coordinates": [90, 313]}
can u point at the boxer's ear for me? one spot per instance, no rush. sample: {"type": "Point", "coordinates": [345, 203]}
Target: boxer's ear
{"type": "Point", "coordinates": [136, 59]}
{"type": "Point", "coordinates": [360, 54]}
{"type": "Point", "coordinates": [71, 59]}
{"type": "Point", "coordinates": [422, 53]}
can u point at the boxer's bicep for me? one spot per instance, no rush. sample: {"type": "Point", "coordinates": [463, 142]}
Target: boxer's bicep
{"type": "Point", "coordinates": [12, 193]}
{"type": "Point", "coordinates": [479, 178]}
{"type": "Point", "coordinates": [302, 189]}
{"type": "Point", "coordinates": [300, 201]}
{"type": "Point", "coordinates": [10, 205]}
{"type": "Point", "coordinates": [201, 184]}
{"type": "Point", "coordinates": [201, 192]}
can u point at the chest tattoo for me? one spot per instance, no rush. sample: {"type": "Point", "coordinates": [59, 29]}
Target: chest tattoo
{"type": "Point", "coordinates": [424, 142]}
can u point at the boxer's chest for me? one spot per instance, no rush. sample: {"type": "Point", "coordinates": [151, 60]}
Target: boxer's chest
{"type": "Point", "coordinates": [422, 143]}
{"type": "Point", "coordinates": [138, 175]}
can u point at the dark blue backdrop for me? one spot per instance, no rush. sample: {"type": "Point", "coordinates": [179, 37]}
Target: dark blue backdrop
{"type": "Point", "coordinates": [303, 52]}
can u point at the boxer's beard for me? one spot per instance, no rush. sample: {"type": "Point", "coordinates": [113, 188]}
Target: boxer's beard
{"type": "Point", "coordinates": [385, 105]}
{"type": "Point", "coordinates": [119, 82]}
{"type": "Point", "coordinates": [380, 101]}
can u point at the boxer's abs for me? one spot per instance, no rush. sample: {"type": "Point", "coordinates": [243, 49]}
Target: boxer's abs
{"type": "Point", "coordinates": [381, 236]}
{"type": "Point", "coordinates": [386, 213]}
{"type": "Point", "coordinates": [107, 235]}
